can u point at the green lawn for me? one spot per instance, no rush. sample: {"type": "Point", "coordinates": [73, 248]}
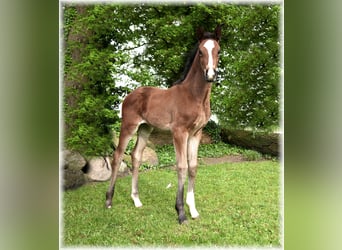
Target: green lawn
{"type": "Point", "coordinates": [238, 205]}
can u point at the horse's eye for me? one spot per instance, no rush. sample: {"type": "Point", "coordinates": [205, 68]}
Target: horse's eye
{"type": "Point", "coordinates": [200, 53]}
{"type": "Point", "coordinates": [219, 52]}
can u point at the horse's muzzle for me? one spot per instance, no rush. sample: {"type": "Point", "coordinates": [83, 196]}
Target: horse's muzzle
{"type": "Point", "coordinates": [210, 75]}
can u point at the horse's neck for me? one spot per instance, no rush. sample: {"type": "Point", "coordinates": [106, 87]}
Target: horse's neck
{"type": "Point", "coordinates": [196, 84]}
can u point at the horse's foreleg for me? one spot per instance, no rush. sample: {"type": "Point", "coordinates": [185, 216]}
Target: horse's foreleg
{"type": "Point", "coordinates": [180, 142]}
{"type": "Point", "coordinates": [144, 132]}
{"type": "Point", "coordinates": [125, 136]}
{"type": "Point", "coordinates": [192, 158]}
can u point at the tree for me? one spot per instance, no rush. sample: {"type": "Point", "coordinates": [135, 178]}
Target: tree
{"type": "Point", "coordinates": [90, 92]}
{"type": "Point", "coordinates": [247, 93]}
{"type": "Point", "coordinates": [249, 90]}
{"type": "Point", "coordinates": [145, 44]}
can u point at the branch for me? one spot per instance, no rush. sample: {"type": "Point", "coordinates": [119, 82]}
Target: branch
{"type": "Point", "coordinates": [132, 48]}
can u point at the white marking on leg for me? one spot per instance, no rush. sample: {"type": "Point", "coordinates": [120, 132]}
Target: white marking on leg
{"type": "Point", "coordinates": [192, 156]}
{"type": "Point", "coordinates": [190, 200]}
{"type": "Point", "coordinates": [136, 200]}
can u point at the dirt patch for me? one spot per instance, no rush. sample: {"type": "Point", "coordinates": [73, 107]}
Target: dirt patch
{"type": "Point", "coordinates": [223, 159]}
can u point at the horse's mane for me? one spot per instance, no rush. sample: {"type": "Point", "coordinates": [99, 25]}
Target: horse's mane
{"type": "Point", "coordinates": [189, 61]}
{"type": "Point", "coordinates": [191, 57]}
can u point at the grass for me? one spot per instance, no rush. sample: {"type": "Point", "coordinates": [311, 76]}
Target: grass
{"type": "Point", "coordinates": [166, 153]}
{"type": "Point", "coordinates": [238, 205]}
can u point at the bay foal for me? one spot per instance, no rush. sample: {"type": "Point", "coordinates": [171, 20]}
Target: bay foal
{"type": "Point", "coordinates": [184, 109]}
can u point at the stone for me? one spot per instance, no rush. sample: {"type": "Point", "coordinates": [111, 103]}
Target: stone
{"type": "Point", "coordinates": [115, 140]}
{"type": "Point", "coordinates": [123, 167]}
{"type": "Point", "coordinates": [73, 179]}
{"type": "Point", "coordinates": [150, 157]}
{"type": "Point", "coordinates": [127, 159]}
{"type": "Point", "coordinates": [100, 169]}
{"type": "Point", "coordinates": [73, 160]}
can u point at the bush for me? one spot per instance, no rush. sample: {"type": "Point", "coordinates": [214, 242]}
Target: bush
{"type": "Point", "coordinates": [214, 131]}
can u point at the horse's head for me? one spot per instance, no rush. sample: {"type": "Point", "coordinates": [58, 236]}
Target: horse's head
{"type": "Point", "coordinates": [208, 51]}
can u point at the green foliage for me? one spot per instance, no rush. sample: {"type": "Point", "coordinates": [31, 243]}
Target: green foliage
{"type": "Point", "coordinates": [90, 91]}
{"type": "Point", "coordinates": [238, 204]}
{"type": "Point", "coordinates": [248, 93]}
{"type": "Point", "coordinates": [217, 150]}
{"type": "Point", "coordinates": [166, 153]}
{"type": "Point", "coordinates": [108, 46]}
{"type": "Point", "coordinates": [251, 155]}
{"type": "Point", "coordinates": [214, 131]}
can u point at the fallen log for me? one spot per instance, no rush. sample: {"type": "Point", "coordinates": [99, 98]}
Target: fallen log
{"type": "Point", "coordinates": [265, 143]}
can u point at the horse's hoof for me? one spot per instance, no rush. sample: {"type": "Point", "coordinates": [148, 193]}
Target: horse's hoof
{"type": "Point", "coordinates": [195, 215]}
{"type": "Point", "coordinates": [196, 218]}
{"type": "Point", "coordinates": [136, 200]}
{"type": "Point", "coordinates": [182, 220]}
{"type": "Point", "coordinates": [108, 204]}
{"type": "Point", "coordinates": [138, 205]}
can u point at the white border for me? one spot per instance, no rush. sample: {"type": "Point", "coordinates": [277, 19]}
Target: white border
{"type": "Point", "coordinates": [61, 120]}
{"type": "Point", "coordinates": [61, 125]}
{"type": "Point", "coordinates": [280, 2]}
{"type": "Point", "coordinates": [281, 111]}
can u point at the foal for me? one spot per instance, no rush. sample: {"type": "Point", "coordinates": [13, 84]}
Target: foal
{"type": "Point", "coordinates": [184, 109]}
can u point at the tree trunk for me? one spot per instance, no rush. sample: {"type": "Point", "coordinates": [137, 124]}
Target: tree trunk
{"type": "Point", "coordinates": [75, 42]}
{"type": "Point", "coordinates": [262, 142]}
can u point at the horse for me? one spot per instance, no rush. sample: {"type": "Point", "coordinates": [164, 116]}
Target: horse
{"type": "Point", "coordinates": [184, 109]}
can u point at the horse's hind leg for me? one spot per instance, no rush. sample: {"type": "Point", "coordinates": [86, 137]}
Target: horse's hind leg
{"type": "Point", "coordinates": [180, 139]}
{"type": "Point", "coordinates": [126, 134]}
{"type": "Point", "coordinates": [193, 144]}
{"type": "Point", "coordinates": [144, 132]}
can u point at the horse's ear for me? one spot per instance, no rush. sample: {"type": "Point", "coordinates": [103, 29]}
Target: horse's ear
{"type": "Point", "coordinates": [217, 33]}
{"type": "Point", "coordinates": [200, 33]}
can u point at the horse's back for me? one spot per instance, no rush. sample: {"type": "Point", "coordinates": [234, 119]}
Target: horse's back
{"type": "Point", "coordinates": [163, 108]}
{"type": "Point", "coordinates": [139, 97]}
{"type": "Point", "coordinates": [149, 105]}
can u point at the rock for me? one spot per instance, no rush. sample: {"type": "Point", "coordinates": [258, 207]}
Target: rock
{"type": "Point", "coordinates": [99, 169]}
{"type": "Point", "coordinates": [127, 159]}
{"type": "Point", "coordinates": [73, 160]}
{"type": "Point", "coordinates": [115, 140]}
{"type": "Point", "coordinates": [265, 143]}
{"type": "Point", "coordinates": [206, 139]}
{"type": "Point", "coordinates": [123, 168]}
{"type": "Point", "coordinates": [161, 137]}
{"type": "Point", "coordinates": [73, 163]}
{"type": "Point", "coordinates": [150, 157]}
{"type": "Point", "coordinates": [73, 179]}
{"type": "Point", "coordinates": [164, 137]}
